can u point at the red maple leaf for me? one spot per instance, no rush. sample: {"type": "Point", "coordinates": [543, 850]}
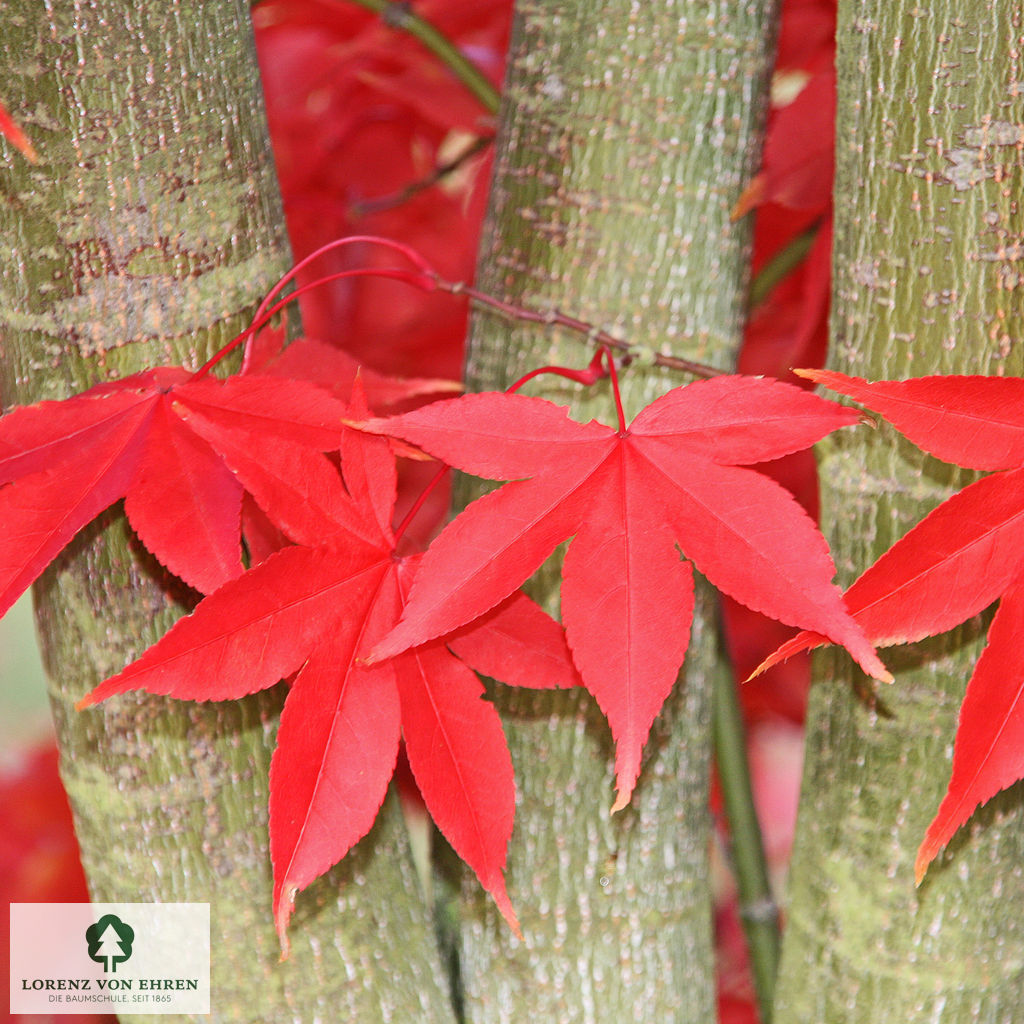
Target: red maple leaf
{"type": "Point", "coordinates": [317, 609]}
{"type": "Point", "coordinates": [629, 497]}
{"type": "Point", "coordinates": [960, 558]}
{"type": "Point", "coordinates": [62, 463]}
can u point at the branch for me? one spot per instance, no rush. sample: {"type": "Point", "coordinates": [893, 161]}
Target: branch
{"type": "Point", "coordinates": [591, 334]}
{"type": "Point", "coordinates": [398, 14]}
{"type": "Point", "coordinates": [388, 202]}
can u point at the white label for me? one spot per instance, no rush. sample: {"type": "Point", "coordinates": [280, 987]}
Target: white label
{"type": "Point", "coordinates": [130, 958]}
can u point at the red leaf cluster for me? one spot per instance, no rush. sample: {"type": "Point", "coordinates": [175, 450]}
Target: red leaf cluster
{"type": "Point", "coordinates": [314, 611]}
{"type": "Point", "coordinates": [952, 565]}
{"type": "Point", "coordinates": [380, 645]}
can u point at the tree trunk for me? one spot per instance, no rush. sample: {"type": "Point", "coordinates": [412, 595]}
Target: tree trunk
{"type": "Point", "coordinates": [147, 235]}
{"type": "Point", "coordinates": [628, 132]}
{"type": "Point", "coordinates": [927, 279]}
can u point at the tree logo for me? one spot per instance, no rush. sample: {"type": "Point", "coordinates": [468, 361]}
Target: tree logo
{"type": "Point", "coordinates": [110, 942]}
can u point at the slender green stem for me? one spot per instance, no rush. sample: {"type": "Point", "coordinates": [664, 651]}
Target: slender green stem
{"type": "Point", "coordinates": [400, 15]}
{"type": "Point", "coordinates": [784, 262]}
{"type": "Point", "coordinates": [759, 913]}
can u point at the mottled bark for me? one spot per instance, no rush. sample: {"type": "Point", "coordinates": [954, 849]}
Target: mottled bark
{"type": "Point", "coordinates": [927, 272]}
{"type": "Point", "coordinates": [147, 234]}
{"type": "Point", "coordinates": [628, 132]}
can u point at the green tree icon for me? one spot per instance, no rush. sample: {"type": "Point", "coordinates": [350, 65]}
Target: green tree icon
{"type": "Point", "coordinates": [110, 942]}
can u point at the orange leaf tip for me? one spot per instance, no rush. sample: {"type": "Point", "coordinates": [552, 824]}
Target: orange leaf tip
{"type": "Point", "coordinates": [752, 196]}
{"type": "Point", "coordinates": [407, 451]}
{"type": "Point", "coordinates": [872, 665]}
{"type": "Point", "coordinates": [28, 151]}
{"type": "Point", "coordinates": [370, 425]}
{"type": "Point", "coordinates": [770, 662]}
{"type": "Point", "coordinates": [803, 641]}
{"type": "Point", "coordinates": [929, 849]}
{"type": "Point", "coordinates": [921, 864]}
{"type": "Point", "coordinates": [377, 425]}
{"type": "Point", "coordinates": [283, 911]}
{"type": "Point", "coordinates": [622, 798]}
{"type": "Point", "coordinates": [504, 904]}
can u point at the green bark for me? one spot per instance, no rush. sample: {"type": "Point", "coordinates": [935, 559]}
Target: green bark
{"type": "Point", "coordinates": [146, 235]}
{"type": "Point", "coordinates": [628, 132]}
{"type": "Point", "coordinates": [927, 279]}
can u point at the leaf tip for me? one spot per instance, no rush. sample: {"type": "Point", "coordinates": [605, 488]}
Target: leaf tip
{"type": "Point", "coordinates": [95, 696]}
{"type": "Point", "coordinates": [366, 424]}
{"type": "Point", "coordinates": [375, 657]}
{"type": "Point", "coordinates": [940, 831]}
{"type": "Point", "coordinates": [868, 659]}
{"type": "Point", "coordinates": [752, 196]}
{"type": "Point", "coordinates": [627, 767]}
{"type": "Point", "coordinates": [803, 641]}
{"type": "Point", "coordinates": [500, 896]}
{"type": "Point", "coordinates": [393, 644]}
{"type": "Point", "coordinates": [622, 799]}
{"type": "Point", "coordinates": [771, 661]}
{"type": "Point", "coordinates": [872, 664]}
{"type": "Point", "coordinates": [925, 855]}
{"type": "Point", "coordinates": [284, 905]}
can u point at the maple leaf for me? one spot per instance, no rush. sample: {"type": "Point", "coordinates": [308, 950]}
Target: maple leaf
{"type": "Point", "coordinates": [62, 463]}
{"type": "Point", "coordinates": [630, 497]}
{"type": "Point", "coordinates": [317, 609]}
{"type": "Point", "coordinates": [952, 565]}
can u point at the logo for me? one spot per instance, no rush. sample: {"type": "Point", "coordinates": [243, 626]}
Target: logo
{"type": "Point", "coordinates": [110, 942]}
{"type": "Point", "coordinates": [136, 958]}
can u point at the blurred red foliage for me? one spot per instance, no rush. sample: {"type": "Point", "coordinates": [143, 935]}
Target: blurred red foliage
{"type": "Point", "coordinates": [358, 112]}
{"type": "Point", "coordinates": [789, 327]}
{"type": "Point", "coordinates": [39, 860]}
